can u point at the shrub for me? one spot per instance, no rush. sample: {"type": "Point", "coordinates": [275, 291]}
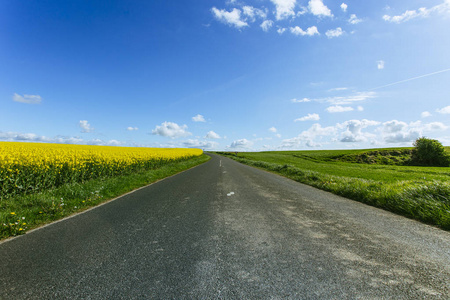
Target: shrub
{"type": "Point", "coordinates": [429, 152]}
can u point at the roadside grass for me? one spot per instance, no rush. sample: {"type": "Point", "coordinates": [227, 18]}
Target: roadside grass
{"type": "Point", "coordinates": [20, 214]}
{"type": "Point", "coordinates": [421, 193]}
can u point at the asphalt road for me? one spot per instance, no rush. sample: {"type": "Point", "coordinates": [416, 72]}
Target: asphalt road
{"type": "Point", "coordinates": [224, 230]}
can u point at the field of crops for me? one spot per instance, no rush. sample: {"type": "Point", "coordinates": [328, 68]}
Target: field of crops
{"type": "Point", "coordinates": [32, 167]}
{"type": "Point", "coordinates": [334, 162]}
{"type": "Point", "coordinates": [422, 193]}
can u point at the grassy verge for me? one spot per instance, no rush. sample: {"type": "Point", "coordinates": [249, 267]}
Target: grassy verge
{"type": "Point", "coordinates": [413, 196]}
{"type": "Point", "coordinates": [22, 213]}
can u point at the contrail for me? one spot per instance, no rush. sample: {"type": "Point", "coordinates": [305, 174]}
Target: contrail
{"type": "Point", "coordinates": [401, 81]}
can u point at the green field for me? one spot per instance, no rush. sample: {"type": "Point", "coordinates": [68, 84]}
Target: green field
{"type": "Point", "coordinates": [372, 176]}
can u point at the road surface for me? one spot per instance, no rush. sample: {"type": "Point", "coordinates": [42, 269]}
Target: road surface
{"type": "Point", "coordinates": [224, 230]}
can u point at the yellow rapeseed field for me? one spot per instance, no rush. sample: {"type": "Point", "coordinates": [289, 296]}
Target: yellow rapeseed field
{"type": "Point", "coordinates": [31, 167]}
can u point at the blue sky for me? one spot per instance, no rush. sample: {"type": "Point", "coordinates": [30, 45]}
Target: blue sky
{"type": "Point", "coordinates": [225, 75]}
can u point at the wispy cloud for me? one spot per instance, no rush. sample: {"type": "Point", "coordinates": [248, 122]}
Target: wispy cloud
{"type": "Point", "coordinates": [309, 117]}
{"type": "Point", "coordinates": [200, 144]}
{"type": "Point", "coordinates": [266, 25]}
{"type": "Point", "coordinates": [284, 8]}
{"type": "Point", "coordinates": [29, 99]}
{"type": "Point", "coordinates": [281, 30]}
{"type": "Point", "coordinates": [252, 12]}
{"type": "Point", "coordinates": [354, 19]}
{"type": "Point", "coordinates": [338, 89]}
{"type": "Point", "coordinates": [422, 12]}
{"type": "Point", "coordinates": [304, 100]}
{"type": "Point", "coordinates": [31, 137]}
{"type": "Point", "coordinates": [339, 109]}
{"type": "Point", "coordinates": [410, 79]}
{"type": "Point", "coordinates": [232, 18]}
{"type": "Point", "coordinates": [445, 110]}
{"type": "Point", "coordinates": [345, 100]}
{"type": "Point", "coordinates": [425, 114]}
{"type": "Point", "coordinates": [198, 118]}
{"type": "Point", "coordinates": [332, 33]}
{"type": "Point", "coordinates": [85, 126]}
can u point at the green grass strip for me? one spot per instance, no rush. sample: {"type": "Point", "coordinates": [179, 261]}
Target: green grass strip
{"type": "Point", "coordinates": [428, 203]}
{"type": "Point", "coordinates": [22, 213]}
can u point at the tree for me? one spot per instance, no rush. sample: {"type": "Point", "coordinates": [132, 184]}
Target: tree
{"type": "Point", "coordinates": [429, 152]}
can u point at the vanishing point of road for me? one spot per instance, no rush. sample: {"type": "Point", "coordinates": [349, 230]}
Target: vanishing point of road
{"type": "Point", "coordinates": [223, 230]}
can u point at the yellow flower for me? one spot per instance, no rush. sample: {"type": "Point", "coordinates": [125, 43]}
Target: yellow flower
{"type": "Point", "coordinates": [13, 213]}
{"type": "Point", "coordinates": [57, 163]}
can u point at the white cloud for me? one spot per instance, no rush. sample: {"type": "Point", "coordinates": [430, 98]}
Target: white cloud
{"type": "Point", "coordinates": [445, 110]}
{"type": "Point", "coordinates": [200, 144]}
{"type": "Point", "coordinates": [380, 64]}
{"type": "Point", "coordinates": [132, 128]}
{"type": "Point", "coordinates": [354, 19]}
{"type": "Point", "coordinates": [394, 126]}
{"type": "Point", "coordinates": [344, 7]}
{"type": "Point", "coordinates": [301, 12]}
{"type": "Point", "coordinates": [403, 137]}
{"type": "Point", "coordinates": [353, 132]}
{"type": "Point", "coordinates": [341, 100]}
{"type": "Point", "coordinates": [400, 132]}
{"type": "Point", "coordinates": [338, 89]}
{"type": "Point", "coordinates": [422, 12]}
{"type": "Point", "coordinates": [309, 117]}
{"type": "Point", "coordinates": [317, 8]}
{"type": "Point", "coordinates": [425, 114]}
{"type": "Point", "coordinates": [334, 32]}
{"type": "Point", "coordinates": [242, 143]}
{"type": "Point", "coordinates": [360, 108]}
{"type": "Point", "coordinates": [172, 130]}
{"type": "Point", "coordinates": [252, 13]}
{"type": "Point", "coordinates": [338, 109]}
{"type": "Point", "coordinates": [266, 25]}
{"type": "Point", "coordinates": [232, 18]}
{"type": "Point", "coordinates": [309, 136]}
{"type": "Point", "coordinates": [310, 31]}
{"type": "Point", "coordinates": [284, 8]}
{"type": "Point", "coordinates": [212, 135]}
{"type": "Point", "coordinates": [85, 126]}
{"type": "Point", "coordinates": [300, 100]}
{"type": "Point", "coordinates": [435, 126]}
{"type": "Point", "coordinates": [31, 137]}
{"type": "Point", "coordinates": [281, 30]}
{"type": "Point", "coordinates": [29, 99]}
{"type": "Point", "coordinates": [114, 143]}
{"type": "Point", "coordinates": [198, 118]}
{"type": "Point", "coordinates": [273, 129]}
